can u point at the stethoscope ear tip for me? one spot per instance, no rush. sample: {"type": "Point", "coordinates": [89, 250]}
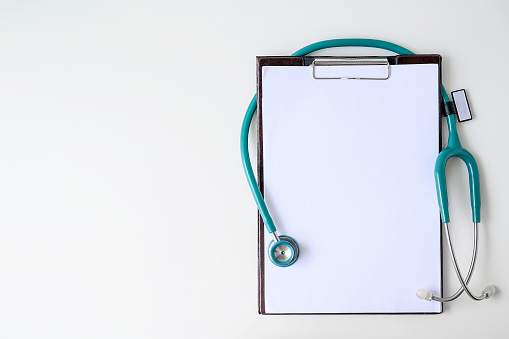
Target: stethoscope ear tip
{"type": "Point", "coordinates": [424, 294]}
{"type": "Point", "coordinates": [489, 291]}
{"type": "Point", "coordinates": [283, 253]}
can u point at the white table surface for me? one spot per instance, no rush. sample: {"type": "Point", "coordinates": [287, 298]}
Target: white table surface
{"type": "Point", "coordinates": [124, 212]}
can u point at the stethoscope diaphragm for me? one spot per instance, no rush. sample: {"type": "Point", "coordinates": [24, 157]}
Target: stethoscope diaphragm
{"type": "Point", "coordinates": [284, 252]}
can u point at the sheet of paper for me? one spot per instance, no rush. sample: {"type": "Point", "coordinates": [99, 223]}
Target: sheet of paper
{"type": "Point", "coordinates": [348, 171]}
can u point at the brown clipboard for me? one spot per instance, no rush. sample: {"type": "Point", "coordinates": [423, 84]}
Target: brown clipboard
{"type": "Point", "coordinates": [263, 61]}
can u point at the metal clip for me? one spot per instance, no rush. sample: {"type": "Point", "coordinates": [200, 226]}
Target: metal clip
{"type": "Point", "coordinates": [379, 70]}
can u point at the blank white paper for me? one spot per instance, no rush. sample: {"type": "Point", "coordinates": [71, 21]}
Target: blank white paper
{"type": "Point", "coordinates": [348, 173]}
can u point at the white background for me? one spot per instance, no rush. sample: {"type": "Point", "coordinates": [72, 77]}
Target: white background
{"type": "Point", "coordinates": [124, 212]}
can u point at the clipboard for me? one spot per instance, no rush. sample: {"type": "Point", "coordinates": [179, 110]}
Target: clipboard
{"type": "Point", "coordinates": [345, 165]}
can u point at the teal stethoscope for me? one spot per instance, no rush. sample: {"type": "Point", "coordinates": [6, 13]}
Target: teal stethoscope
{"type": "Point", "coordinates": [283, 250]}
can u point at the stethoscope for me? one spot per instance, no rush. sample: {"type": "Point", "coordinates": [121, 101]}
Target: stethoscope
{"type": "Point", "coordinates": [283, 250]}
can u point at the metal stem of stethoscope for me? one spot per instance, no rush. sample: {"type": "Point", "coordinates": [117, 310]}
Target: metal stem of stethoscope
{"type": "Point", "coordinates": [275, 236]}
{"type": "Point", "coordinates": [486, 293]}
{"type": "Point", "coordinates": [470, 269]}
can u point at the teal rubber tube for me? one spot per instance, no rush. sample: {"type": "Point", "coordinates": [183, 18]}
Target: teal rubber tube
{"type": "Point", "coordinates": [248, 168]}
{"type": "Point", "coordinates": [244, 135]}
{"type": "Point", "coordinates": [454, 149]}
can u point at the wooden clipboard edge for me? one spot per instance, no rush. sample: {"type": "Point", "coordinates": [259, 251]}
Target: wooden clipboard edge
{"type": "Point", "coordinates": [262, 61]}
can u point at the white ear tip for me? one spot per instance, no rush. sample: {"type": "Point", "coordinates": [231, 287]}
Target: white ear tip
{"type": "Point", "coordinates": [423, 294]}
{"type": "Point", "coordinates": [489, 291]}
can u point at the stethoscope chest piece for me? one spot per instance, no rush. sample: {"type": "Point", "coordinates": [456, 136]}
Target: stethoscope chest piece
{"type": "Point", "coordinates": [284, 252]}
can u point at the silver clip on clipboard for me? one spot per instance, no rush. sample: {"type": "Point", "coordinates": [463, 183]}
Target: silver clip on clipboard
{"type": "Point", "coordinates": [373, 68]}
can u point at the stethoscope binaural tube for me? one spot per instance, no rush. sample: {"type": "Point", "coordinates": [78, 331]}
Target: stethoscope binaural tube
{"type": "Point", "coordinates": [454, 149]}
{"type": "Point", "coordinates": [283, 251]}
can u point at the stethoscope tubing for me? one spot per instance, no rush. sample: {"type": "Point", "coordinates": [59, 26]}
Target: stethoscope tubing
{"type": "Point", "coordinates": [244, 135]}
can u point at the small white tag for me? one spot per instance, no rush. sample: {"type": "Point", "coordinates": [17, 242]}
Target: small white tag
{"type": "Point", "coordinates": [462, 108]}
